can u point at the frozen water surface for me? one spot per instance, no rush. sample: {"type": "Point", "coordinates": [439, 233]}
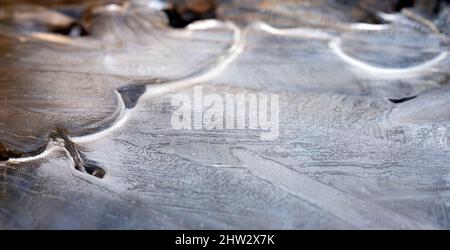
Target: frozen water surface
{"type": "Point", "coordinates": [86, 138]}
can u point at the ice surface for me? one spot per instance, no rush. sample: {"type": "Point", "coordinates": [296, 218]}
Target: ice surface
{"type": "Point", "coordinates": [364, 139]}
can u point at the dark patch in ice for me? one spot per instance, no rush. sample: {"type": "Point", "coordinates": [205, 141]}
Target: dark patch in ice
{"type": "Point", "coordinates": [130, 94]}
{"type": "Point", "coordinates": [403, 4]}
{"type": "Point", "coordinates": [13, 152]}
{"type": "Point", "coordinates": [402, 100]}
{"type": "Point", "coordinates": [74, 30]}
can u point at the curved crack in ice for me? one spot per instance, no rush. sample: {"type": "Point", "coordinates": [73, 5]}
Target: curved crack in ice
{"type": "Point", "coordinates": [51, 147]}
{"type": "Point", "coordinates": [302, 32]}
{"type": "Point", "coordinates": [117, 123]}
{"type": "Point", "coordinates": [152, 90]}
{"type": "Point", "coordinates": [314, 33]}
{"type": "Point", "coordinates": [368, 26]}
{"type": "Point", "coordinates": [335, 45]}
